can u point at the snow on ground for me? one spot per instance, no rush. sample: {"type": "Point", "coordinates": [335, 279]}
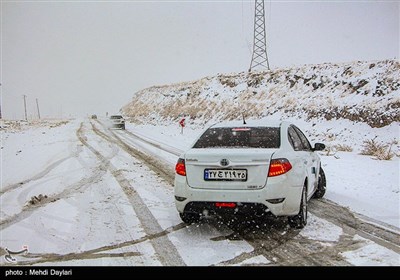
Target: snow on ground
{"type": "Point", "coordinates": [81, 220]}
{"type": "Point", "coordinates": [367, 186]}
{"type": "Point", "coordinates": [30, 148]}
{"type": "Point", "coordinates": [86, 200]}
{"type": "Point", "coordinates": [200, 253]}
{"type": "Point", "coordinates": [371, 254]}
{"type": "Point", "coordinates": [257, 260]}
{"type": "Point", "coordinates": [326, 231]}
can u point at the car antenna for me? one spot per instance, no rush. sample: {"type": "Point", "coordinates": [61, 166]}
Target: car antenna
{"type": "Point", "coordinates": [244, 120]}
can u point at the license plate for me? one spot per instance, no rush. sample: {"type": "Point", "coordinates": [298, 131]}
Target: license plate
{"type": "Point", "coordinates": [225, 174]}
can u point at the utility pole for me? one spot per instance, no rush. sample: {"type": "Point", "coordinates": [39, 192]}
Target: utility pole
{"type": "Point", "coordinates": [37, 106]}
{"type": "Point", "coordinates": [1, 100]}
{"type": "Point", "coordinates": [26, 116]}
{"type": "Point", "coordinates": [259, 58]}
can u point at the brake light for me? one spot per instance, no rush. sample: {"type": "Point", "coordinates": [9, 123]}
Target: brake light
{"type": "Point", "coordinates": [225, 204]}
{"type": "Point", "coordinates": [241, 129]}
{"type": "Point", "coordinates": [180, 167]}
{"type": "Point", "coordinates": [278, 167]}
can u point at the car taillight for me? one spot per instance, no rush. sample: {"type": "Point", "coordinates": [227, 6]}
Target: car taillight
{"type": "Point", "coordinates": [278, 167]}
{"type": "Point", "coordinates": [180, 167]}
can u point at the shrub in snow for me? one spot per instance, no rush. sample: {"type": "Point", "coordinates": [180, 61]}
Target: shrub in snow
{"type": "Point", "coordinates": [343, 148]}
{"type": "Point", "coordinates": [378, 150]}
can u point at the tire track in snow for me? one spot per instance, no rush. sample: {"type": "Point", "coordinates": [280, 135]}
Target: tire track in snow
{"type": "Point", "coordinates": [161, 169]}
{"type": "Point", "coordinates": [284, 246]}
{"type": "Point", "coordinates": [280, 245]}
{"type": "Point", "coordinates": [41, 174]}
{"type": "Point", "coordinates": [161, 146]}
{"type": "Point", "coordinates": [345, 219]}
{"type": "Point", "coordinates": [166, 251]}
{"type": "Point", "coordinates": [35, 177]}
{"type": "Point", "coordinates": [74, 154]}
{"type": "Point", "coordinates": [28, 209]}
{"type": "Point", "coordinates": [100, 252]}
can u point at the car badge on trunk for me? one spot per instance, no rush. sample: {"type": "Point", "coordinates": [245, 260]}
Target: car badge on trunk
{"type": "Point", "coordinates": [224, 162]}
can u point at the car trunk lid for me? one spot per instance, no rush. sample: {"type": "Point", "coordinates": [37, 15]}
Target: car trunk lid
{"type": "Point", "coordinates": [228, 168]}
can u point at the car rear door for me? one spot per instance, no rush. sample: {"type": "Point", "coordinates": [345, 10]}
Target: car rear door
{"type": "Point", "coordinates": [311, 160]}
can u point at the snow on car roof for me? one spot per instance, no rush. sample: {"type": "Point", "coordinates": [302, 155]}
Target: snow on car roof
{"type": "Point", "coordinates": [250, 123]}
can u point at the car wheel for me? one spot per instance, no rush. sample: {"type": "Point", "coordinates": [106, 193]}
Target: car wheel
{"type": "Point", "coordinates": [189, 218]}
{"type": "Point", "coordinates": [321, 187]}
{"type": "Point", "coordinates": [300, 220]}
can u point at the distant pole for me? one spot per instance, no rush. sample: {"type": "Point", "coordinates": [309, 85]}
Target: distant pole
{"type": "Point", "coordinates": [26, 116]}
{"type": "Point", "coordinates": [37, 106]}
{"type": "Point", "coordinates": [259, 58]}
{"type": "Point", "coordinates": [1, 99]}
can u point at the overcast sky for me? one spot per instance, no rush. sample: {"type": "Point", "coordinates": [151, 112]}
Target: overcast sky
{"type": "Point", "coordinates": [89, 57]}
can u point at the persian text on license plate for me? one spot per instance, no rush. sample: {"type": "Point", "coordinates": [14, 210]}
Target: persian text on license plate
{"type": "Point", "coordinates": [225, 174]}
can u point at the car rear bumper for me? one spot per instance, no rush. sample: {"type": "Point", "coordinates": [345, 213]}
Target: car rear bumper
{"type": "Point", "coordinates": [210, 208]}
{"type": "Point", "coordinates": [120, 126]}
{"type": "Point", "coordinates": [281, 196]}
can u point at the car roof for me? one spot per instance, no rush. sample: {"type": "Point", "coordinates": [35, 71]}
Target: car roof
{"type": "Point", "coordinates": [249, 123]}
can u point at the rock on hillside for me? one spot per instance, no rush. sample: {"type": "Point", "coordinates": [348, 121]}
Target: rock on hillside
{"type": "Point", "coordinates": [358, 91]}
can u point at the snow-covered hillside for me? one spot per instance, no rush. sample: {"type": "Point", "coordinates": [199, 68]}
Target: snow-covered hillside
{"type": "Point", "coordinates": [365, 92]}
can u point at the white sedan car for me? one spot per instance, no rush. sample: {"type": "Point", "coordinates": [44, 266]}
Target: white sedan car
{"type": "Point", "coordinates": [251, 169]}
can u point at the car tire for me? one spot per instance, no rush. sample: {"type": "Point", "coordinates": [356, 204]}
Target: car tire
{"type": "Point", "coordinates": [300, 220]}
{"type": "Point", "coordinates": [321, 187]}
{"type": "Point", "coordinates": [189, 218]}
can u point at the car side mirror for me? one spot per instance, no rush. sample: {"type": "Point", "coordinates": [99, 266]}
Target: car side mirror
{"type": "Point", "coordinates": [319, 147]}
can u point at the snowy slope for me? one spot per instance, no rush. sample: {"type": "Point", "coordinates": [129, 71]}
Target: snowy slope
{"type": "Point", "coordinates": [359, 91]}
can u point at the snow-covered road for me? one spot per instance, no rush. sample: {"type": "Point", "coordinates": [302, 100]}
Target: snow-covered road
{"type": "Point", "coordinates": [81, 194]}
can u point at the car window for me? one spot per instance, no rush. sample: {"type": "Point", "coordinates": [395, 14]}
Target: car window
{"type": "Point", "coordinates": [240, 137]}
{"type": "Point", "coordinates": [294, 139]}
{"type": "Point", "coordinates": [303, 138]}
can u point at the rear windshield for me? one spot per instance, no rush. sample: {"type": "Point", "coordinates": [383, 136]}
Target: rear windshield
{"type": "Point", "coordinates": [241, 137]}
{"type": "Point", "coordinates": [116, 117]}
